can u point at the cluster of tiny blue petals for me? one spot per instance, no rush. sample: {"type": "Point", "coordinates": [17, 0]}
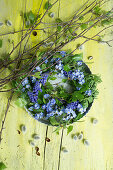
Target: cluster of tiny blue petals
{"type": "Point", "coordinates": [59, 66]}
{"type": "Point", "coordinates": [46, 60]}
{"type": "Point", "coordinates": [81, 109]}
{"type": "Point", "coordinates": [88, 92]}
{"type": "Point", "coordinates": [25, 81]}
{"type": "Point", "coordinates": [73, 105]}
{"type": "Point", "coordinates": [63, 53]}
{"type": "Point", "coordinates": [33, 79]}
{"type": "Point", "coordinates": [36, 106]}
{"type": "Point", "coordinates": [76, 75]}
{"type": "Point", "coordinates": [37, 69]}
{"type": "Point", "coordinates": [46, 96]}
{"type": "Point", "coordinates": [37, 87]}
{"type": "Point", "coordinates": [79, 63]}
{"type": "Point", "coordinates": [43, 79]}
{"type": "Point", "coordinates": [32, 96]}
{"type": "Point", "coordinates": [39, 115]}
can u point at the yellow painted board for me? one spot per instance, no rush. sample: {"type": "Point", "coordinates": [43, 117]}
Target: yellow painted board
{"type": "Point", "coordinates": [15, 150]}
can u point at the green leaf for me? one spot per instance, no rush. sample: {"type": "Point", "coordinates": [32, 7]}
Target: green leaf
{"type": "Point", "coordinates": [31, 16]}
{"type": "Point", "coordinates": [39, 101]}
{"type": "Point", "coordinates": [53, 121]}
{"type": "Point", "coordinates": [57, 130]}
{"type": "Point", "coordinates": [49, 86]}
{"type": "Point", "coordinates": [90, 99]}
{"type": "Point", "coordinates": [64, 80]}
{"type": "Point", "coordinates": [58, 20]}
{"type": "Point", "coordinates": [44, 100]}
{"type": "Point", "coordinates": [59, 28]}
{"type": "Point", "coordinates": [0, 43]}
{"type": "Point", "coordinates": [47, 5]}
{"type": "Point", "coordinates": [91, 23]}
{"type": "Point", "coordinates": [58, 102]}
{"type": "Point", "coordinates": [84, 26]}
{"type": "Point", "coordinates": [70, 30]}
{"type": "Point", "coordinates": [106, 22]}
{"type": "Point", "coordinates": [2, 166]}
{"type": "Point", "coordinates": [43, 66]}
{"type": "Point", "coordinates": [69, 129]}
{"type": "Point", "coordinates": [78, 57]}
{"type": "Point", "coordinates": [79, 116]}
{"type": "Point", "coordinates": [81, 18]}
{"type": "Point", "coordinates": [20, 102]}
{"type": "Point", "coordinates": [97, 10]}
{"type": "Point", "coordinates": [85, 104]}
{"type": "Point", "coordinates": [83, 89]}
{"type": "Point", "coordinates": [52, 78]}
{"type": "Point", "coordinates": [77, 95]}
{"type": "Point", "coordinates": [37, 75]}
{"type": "Point", "coordinates": [67, 67]}
{"type": "Point", "coordinates": [39, 110]}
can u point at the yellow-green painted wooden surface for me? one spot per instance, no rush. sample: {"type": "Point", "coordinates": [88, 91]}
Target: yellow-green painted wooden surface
{"type": "Point", "coordinates": [15, 150]}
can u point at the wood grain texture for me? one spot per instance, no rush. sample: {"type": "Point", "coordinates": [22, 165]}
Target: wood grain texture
{"type": "Point", "coordinates": [15, 150]}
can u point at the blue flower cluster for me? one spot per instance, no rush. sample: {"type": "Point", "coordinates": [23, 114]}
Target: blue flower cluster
{"type": "Point", "coordinates": [88, 92]}
{"type": "Point", "coordinates": [73, 75]}
{"type": "Point", "coordinates": [77, 75]}
{"type": "Point", "coordinates": [25, 84]}
{"type": "Point", "coordinates": [43, 79]}
{"type": "Point", "coordinates": [33, 96]}
{"type": "Point", "coordinates": [37, 69]}
{"type": "Point", "coordinates": [46, 60]}
{"type": "Point", "coordinates": [39, 115]}
{"type": "Point", "coordinates": [79, 63]}
{"type": "Point", "coordinates": [59, 66]}
{"type": "Point", "coordinates": [76, 105]}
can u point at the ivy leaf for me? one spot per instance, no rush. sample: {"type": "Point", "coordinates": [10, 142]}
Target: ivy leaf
{"type": "Point", "coordinates": [47, 5]}
{"type": "Point", "coordinates": [0, 43]}
{"type": "Point", "coordinates": [67, 67]}
{"type": "Point", "coordinates": [53, 121]}
{"type": "Point", "coordinates": [2, 166]}
{"type": "Point", "coordinates": [69, 129]}
{"type": "Point", "coordinates": [20, 102]}
{"type": "Point", "coordinates": [84, 26]}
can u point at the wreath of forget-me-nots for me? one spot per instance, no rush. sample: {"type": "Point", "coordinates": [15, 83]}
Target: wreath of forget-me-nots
{"type": "Point", "coordinates": [63, 93]}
